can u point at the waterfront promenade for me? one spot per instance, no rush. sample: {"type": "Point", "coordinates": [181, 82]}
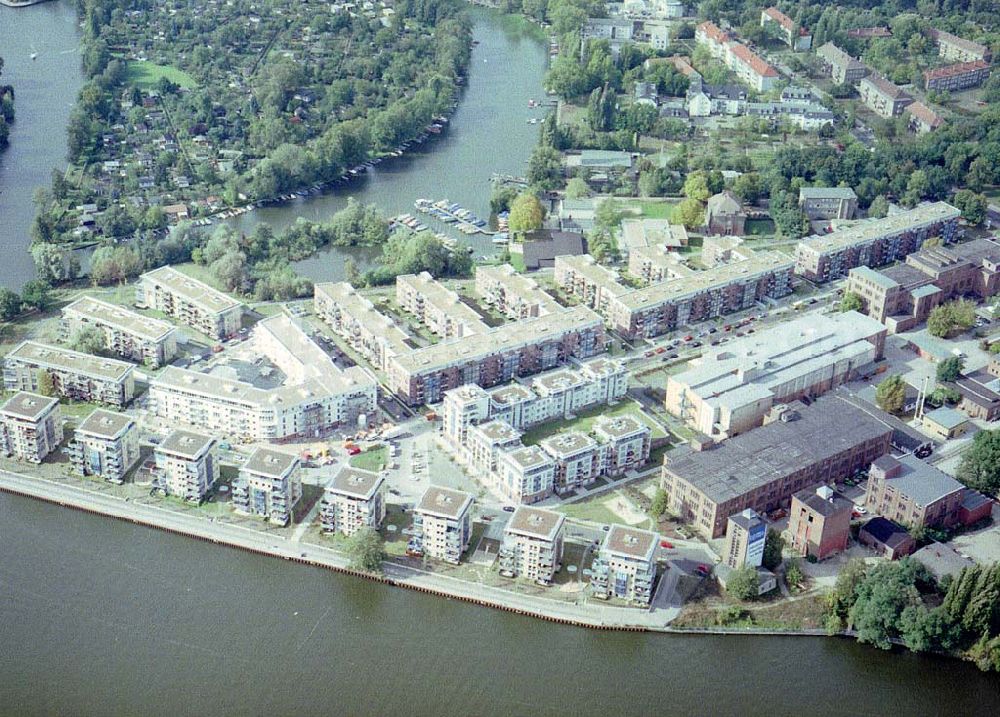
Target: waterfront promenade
{"type": "Point", "coordinates": [584, 615]}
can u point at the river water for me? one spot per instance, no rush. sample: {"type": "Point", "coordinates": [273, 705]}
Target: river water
{"type": "Point", "coordinates": [101, 617]}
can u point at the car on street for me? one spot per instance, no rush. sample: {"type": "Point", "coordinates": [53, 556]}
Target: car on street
{"type": "Point", "coordinates": [666, 544]}
{"type": "Point", "coordinates": [508, 509]}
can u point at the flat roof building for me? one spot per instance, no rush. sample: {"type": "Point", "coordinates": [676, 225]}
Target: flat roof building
{"type": "Point", "coordinates": [190, 301]}
{"type": "Point", "coordinates": [30, 426]}
{"type": "Point", "coordinates": [106, 445]}
{"type": "Point", "coordinates": [355, 499]}
{"type": "Point", "coordinates": [316, 396]}
{"type": "Point", "coordinates": [269, 485]}
{"type": "Point", "coordinates": [828, 202]}
{"type": "Point", "coordinates": [874, 242]}
{"type": "Point", "coordinates": [909, 491]}
{"type": "Point", "coordinates": [578, 460]}
{"type": "Point", "coordinates": [514, 295]}
{"type": "Point", "coordinates": [625, 567]}
{"type": "Point", "coordinates": [746, 533]}
{"type": "Point", "coordinates": [524, 474]}
{"type": "Point", "coordinates": [761, 469]}
{"type": "Point", "coordinates": [730, 389]}
{"type": "Point", "coordinates": [186, 465]}
{"type": "Point", "coordinates": [443, 518]}
{"type": "Point", "coordinates": [437, 307]}
{"type": "Point", "coordinates": [625, 443]}
{"type": "Point", "coordinates": [127, 333]}
{"type": "Point", "coordinates": [532, 546]}
{"type": "Point", "coordinates": [355, 319]}
{"type": "Point", "coordinates": [76, 376]}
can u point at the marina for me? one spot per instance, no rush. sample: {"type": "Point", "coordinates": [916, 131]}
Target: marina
{"type": "Point", "coordinates": [453, 213]}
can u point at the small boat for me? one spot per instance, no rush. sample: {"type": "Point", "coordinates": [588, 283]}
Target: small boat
{"type": "Point", "coordinates": [34, 55]}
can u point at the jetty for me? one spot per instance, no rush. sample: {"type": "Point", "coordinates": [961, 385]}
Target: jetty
{"type": "Point", "coordinates": [451, 213]}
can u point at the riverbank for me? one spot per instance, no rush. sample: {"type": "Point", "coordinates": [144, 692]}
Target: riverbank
{"type": "Point", "coordinates": [20, 3]}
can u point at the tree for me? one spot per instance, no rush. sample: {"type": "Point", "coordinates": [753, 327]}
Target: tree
{"type": "Point", "coordinates": [943, 395]}
{"type": "Point", "coordinates": [659, 505]}
{"type": "Point", "coordinates": [950, 369]}
{"type": "Point", "coordinates": [947, 319]}
{"type": "Point", "coordinates": [10, 304]}
{"type": "Point", "coordinates": [972, 206]}
{"type": "Point", "coordinates": [690, 212]}
{"type": "Point", "coordinates": [743, 583]}
{"type": "Point", "coordinates": [879, 207]}
{"type": "Point", "coordinates": [882, 598]}
{"type": "Point", "coordinates": [793, 574]}
{"type": "Point", "coordinates": [608, 214]}
{"type": "Point", "coordinates": [35, 295]}
{"type": "Point", "coordinates": [46, 384]}
{"type": "Point", "coordinates": [526, 213]}
{"type": "Point", "coordinates": [851, 302]}
{"type": "Point", "coordinates": [844, 593]}
{"type": "Point", "coordinates": [696, 186]}
{"type": "Point", "coordinates": [89, 340]}
{"type": "Point", "coordinates": [577, 188]}
{"type": "Point", "coordinates": [980, 466]}
{"type": "Point", "coordinates": [774, 544]}
{"type": "Point", "coordinates": [890, 395]}
{"type": "Point", "coordinates": [366, 550]}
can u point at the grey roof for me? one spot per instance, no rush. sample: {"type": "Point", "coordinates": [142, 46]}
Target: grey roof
{"type": "Point", "coordinates": [444, 502]}
{"type": "Point", "coordinates": [356, 483]}
{"type": "Point", "coordinates": [535, 522]}
{"type": "Point", "coordinates": [747, 519]}
{"type": "Point", "coordinates": [269, 462]}
{"type": "Point", "coordinates": [942, 560]}
{"type": "Point", "coordinates": [186, 444]}
{"type": "Point", "coordinates": [753, 459]}
{"type": "Point", "coordinates": [826, 507]}
{"type": "Point", "coordinates": [105, 424]}
{"type": "Point", "coordinates": [538, 253]}
{"type": "Point", "coordinates": [28, 405]}
{"type": "Point", "coordinates": [630, 542]}
{"type": "Point", "coordinates": [946, 417]}
{"type": "Point", "coordinates": [921, 482]}
{"type": "Point", "coordinates": [827, 193]}
{"type": "Point", "coordinates": [886, 531]}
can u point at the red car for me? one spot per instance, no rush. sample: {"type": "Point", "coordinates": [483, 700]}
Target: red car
{"type": "Point", "coordinates": [353, 451]}
{"type": "Point", "coordinates": [666, 544]}
{"type": "Point", "coordinates": [660, 350]}
{"type": "Point", "coordinates": [689, 338]}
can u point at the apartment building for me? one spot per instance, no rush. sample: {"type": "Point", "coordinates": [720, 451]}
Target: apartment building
{"type": "Point", "coordinates": [625, 443]}
{"type": "Point", "coordinates": [796, 37]}
{"type": "Point", "coordinates": [516, 349]}
{"type": "Point", "coordinates": [514, 295]}
{"type": "Point", "coordinates": [922, 119]}
{"type": "Point", "coordinates": [437, 307]}
{"type": "Point", "coordinates": [746, 534]}
{"type": "Point", "coordinates": [828, 202]}
{"type": "Point", "coordinates": [354, 500]}
{"type": "Point", "coordinates": [548, 396]}
{"type": "Point", "coordinates": [625, 567]}
{"type": "Point", "coordinates": [653, 310]}
{"type": "Point", "coordinates": [654, 264]}
{"type": "Point", "coordinates": [355, 319]}
{"type": "Point", "coordinates": [443, 519]}
{"type": "Point", "coordinates": [843, 68]}
{"type": "Point", "coordinates": [105, 445]}
{"type": "Point", "coordinates": [902, 296]}
{"type": "Point", "coordinates": [748, 66]}
{"type": "Point", "coordinates": [269, 485]}
{"type": "Point", "coordinates": [524, 474]}
{"type": "Point", "coordinates": [579, 460]}
{"type": "Point", "coordinates": [875, 242]}
{"type": "Point", "coordinates": [532, 546]}
{"type": "Point", "coordinates": [730, 389]}
{"type": "Point", "coordinates": [819, 522]}
{"type": "Point", "coordinates": [763, 468]}
{"type": "Point", "coordinates": [486, 441]}
{"type": "Point", "coordinates": [186, 465]}
{"type": "Point", "coordinates": [960, 76]}
{"type": "Point", "coordinates": [30, 426]}
{"type": "Point", "coordinates": [958, 49]}
{"type": "Point", "coordinates": [882, 97]}
{"type": "Point", "coordinates": [316, 396]}
{"type": "Point", "coordinates": [76, 376]}
{"type": "Point", "coordinates": [914, 493]}
{"type": "Point", "coordinates": [127, 333]}
{"type": "Point", "coordinates": [190, 301]}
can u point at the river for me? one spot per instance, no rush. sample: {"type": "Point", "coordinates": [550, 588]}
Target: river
{"type": "Point", "coordinates": [45, 90]}
{"type": "Point", "coordinates": [101, 617]}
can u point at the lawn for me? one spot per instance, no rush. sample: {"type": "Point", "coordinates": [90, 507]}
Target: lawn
{"type": "Point", "coordinates": [145, 75]}
{"type": "Point", "coordinates": [649, 209]}
{"type": "Point", "coordinates": [374, 459]}
{"type": "Point", "coordinates": [585, 420]}
{"type": "Point", "coordinates": [760, 227]}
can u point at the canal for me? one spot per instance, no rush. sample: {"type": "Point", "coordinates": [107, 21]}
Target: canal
{"type": "Point", "coordinates": [103, 617]}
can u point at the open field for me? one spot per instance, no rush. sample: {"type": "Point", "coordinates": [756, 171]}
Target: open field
{"type": "Point", "coordinates": [374, 459]}
{"type": "Point", "coordinates": [147, 74]}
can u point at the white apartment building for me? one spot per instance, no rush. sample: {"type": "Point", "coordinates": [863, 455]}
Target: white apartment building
{"type": "Point", "coordinates": [443, 518]}
{"type": "Point", "coordinates": [625, 567]}
{"type": "Point", "coordinates": [532, 545]}
{"type": "Point", "coordinates": [127, 333]}
{"type": "Point", "coordinates": [513, 294]}
{"type": "Point", "coordinates": [437, 307]}
{"type": "Point", "coordinates": [486, 441]}
{"type": "Point", "coordinates": [354, 500]}
{"type": "Point", "coordinates": [578, 459]}
{"type": "Point", "coordinates": [355, 319]}
{"type": "Point", "coordinates": [76, 376]}
{"type": "Point", "coordinates": [269, 485]}
{"type": "Point", "coordinates": [524, 474]}
{"type": "Point", "coordinates": [190, 301]}
{"type": "Point", "coordinates": [316, 397]}
{"type": "Point", "coordinates": [106, 445]}
{"type": "Point", "coordinates": [30, 427]}
{"type": "Point", "coordinates": [186, 465]}
{"type": "Point", "coordinates": [625, 443]}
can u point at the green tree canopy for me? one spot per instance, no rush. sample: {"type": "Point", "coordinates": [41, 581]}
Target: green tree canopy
{"type": "Point", "coordinates": [890, 395]}
{"type": "Point", "coordinates": [980, 466]}
{"type": "Point", "coordinates": [526, 213]}
{"type": "Point", "coordinates": [950, 369]}
{"type": "Point", "coordinates": [851, 302]}
{"type": "Point", "coordinates": [366, 550]}
{"type": "Point", "coordinates": [743, 583]}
